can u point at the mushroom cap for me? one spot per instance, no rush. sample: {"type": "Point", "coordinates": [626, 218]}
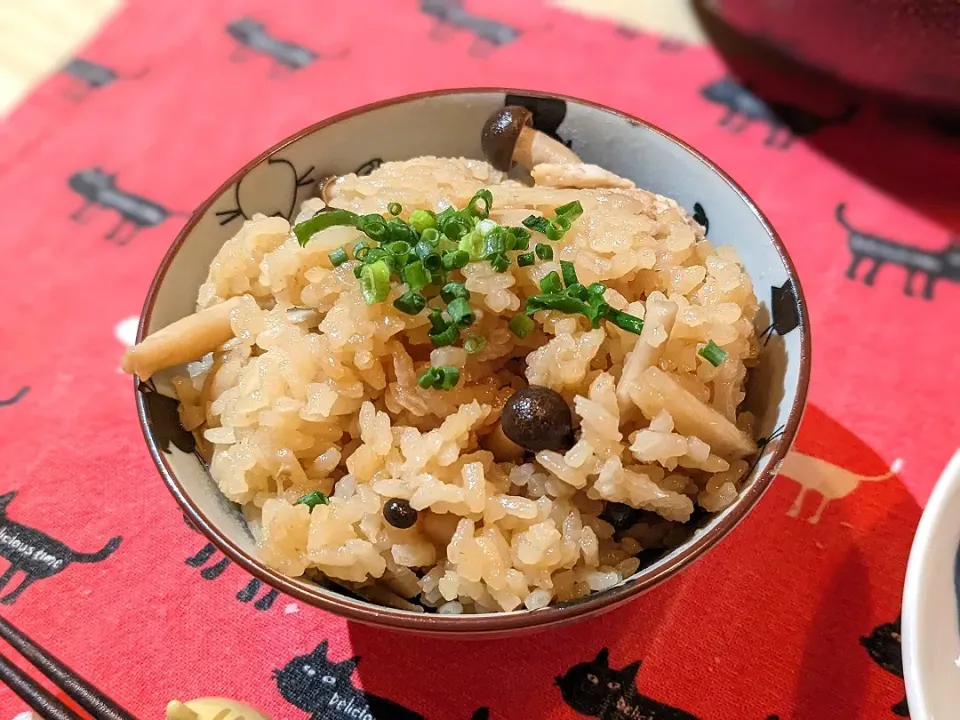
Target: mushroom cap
{"type": "Point", "coordinates": [500, 134]}
{"type": "Point", "coordinates": [538, 418]}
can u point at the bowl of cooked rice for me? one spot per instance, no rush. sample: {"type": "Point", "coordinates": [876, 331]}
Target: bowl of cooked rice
{"type": "Point", "coordinates": [472, 362]}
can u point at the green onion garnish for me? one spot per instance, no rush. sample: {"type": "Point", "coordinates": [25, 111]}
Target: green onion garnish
{"type": "Point", "coordinates": [323, 220]}
{"type": "Point", "coordinates": [338, 257]}
{"type": "Point", "coordinates": [424, 248]}
{"type": "Point", "coordinates": [399, 247]}
{"type": "Point", "coordinates": [474, 344]}
{"type": "Point", "coordinates": [452, 291]}
{"type": "Point", "coordinates": [569, 273]}
{"type": "Point", "coordinates": [713, 353]}
{"type": "Point", "coordinates": [522, 236]}
{"type": "Point", "coordinates": [360, 250]}
{"type": "Point", "coordinates": [422, 220]}
{"type": "Point", "coordinates": [461, 313]}
{"type": "Point", "coordinates": [439, 378]}
{"type": "Point", "coordinates": [578, 291]}
{"type": "Point", "coordinates": [626, 321]}
{"type": "Point", "coordinates": [475, 208]}
{"type": "Point", "coordinates": [537, 223]}
{"type": "Point", "coordinates": [416, 276]}
{"type": "Point", "coordinates": [375, 282]}
{"type": "Point", "coordinates": [551, 283]}
{"type": "Point", "coordinates": [411, 302]}
{"type": "Point", "coordinates": [437, 322]}
{"type": "Point", "coordinates": [442, 338]}
{"type": "Point", "coordinates": [520, 325]}
{"type": "Point", "coordinates": [525, 259]}
{"type": "Point", "coordinates": [596, 289]}
{"type": "Point", "coordinates": [500, 262]}
{"type": "Point", "coordinates": [571, 210]}
{"type": "Point", "coordinates": [557, 301]}
{"type": "Point", "coordinates": [432, 262]}
{"type": "Point", "coordinates": [374, 227]}
{"type": "Point", "coordinates": [455, 259]}
{"type": "Point", "coordinates": [544, 251]}
{"type": "Point", "coordinates": [472, 243]}
{"type": "Point", "coordinates": [312, 499]}
{"type": "Point", "coordinates": [494, 243]}
{"type": "Point", "coordinates": [554, 232]}
{"type": "Point", "coordinates": [394, 208]}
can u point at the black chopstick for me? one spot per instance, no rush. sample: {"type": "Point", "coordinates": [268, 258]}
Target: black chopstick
{"type": "Point", "coordinates": [87, 696]}
{"type": "Point", "coordinates": [35, 696]}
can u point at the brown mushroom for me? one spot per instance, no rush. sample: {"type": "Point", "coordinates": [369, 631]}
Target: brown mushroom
{"type": "Point", "coordinates": [509, 137]}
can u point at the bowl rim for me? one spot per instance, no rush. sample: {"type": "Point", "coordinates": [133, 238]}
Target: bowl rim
{"type": "Point", "coordinates": [488, 623]}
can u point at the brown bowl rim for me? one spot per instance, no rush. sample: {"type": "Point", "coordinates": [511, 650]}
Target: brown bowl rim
{"type": "Point", "coordinates": [490, 623]}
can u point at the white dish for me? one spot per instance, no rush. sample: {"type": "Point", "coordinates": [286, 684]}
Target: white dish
{"type": "Point", "coordinates": [931, 605]}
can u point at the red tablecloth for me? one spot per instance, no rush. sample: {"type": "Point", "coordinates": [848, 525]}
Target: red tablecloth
{"type": "Point", "coordinates": [789, 617]}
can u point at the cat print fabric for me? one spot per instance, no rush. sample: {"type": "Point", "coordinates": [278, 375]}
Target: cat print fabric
{"type": "Point", "coordinates": [792, 616]}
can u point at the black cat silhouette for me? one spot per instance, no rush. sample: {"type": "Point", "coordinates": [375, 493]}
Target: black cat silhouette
{"type": "Point", "coordinates": [594, 689]}
{"type": "Point", "coordinates": [700, 215]}
{"type": "Point", "coordinates": [89, 76]}
{"type": "Point", "coordinates": [274, 191]}
{"type": "Point", "coordinates": [883, 644]}
{"type": "Point", "coordinates": [785, 121]}
{"type": "Point", "coordinates": [247, 593]}
{"type": "Point", "coordinates": [252, 35]}
{"type": "Point", "coordinates": [943, 264]}
{"type": "Point", "coordinates": [16, 397]}
{"type": "Point", "coordinates": [548, 113]}
{"type": "Point", "coordinates": [451, 16]}
{"type": "Point", "coordinates": [98, 187]}
{"type": "Point", "coordinates": [784, 309]}
{"type": "Point", "coordinates": [37, 554]}
{"type": "Point", "coordinates": [325, 689]}
{"type": "Point", "coordinates": [163, 418]}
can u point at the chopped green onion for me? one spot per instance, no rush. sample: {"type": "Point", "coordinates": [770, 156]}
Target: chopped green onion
{"type": "Point", "coordinates": [448, 336]}
{"type": "Point", "coordinates": [432, 262]}
{"type": "Point", "coordinates": [544, 251]}
{"type": "Point", "coordinates": [399, 247]}
{"type": "Point", "coordinates": [428, 378]}
{"type": "Point", "coordinates": [578, 291]}
{"type": "Point", "coordinates": [411, 302]}
{"type": "Point", "coordinates": [436, 321]}
{"type": "Point", "coordinates": [449, 377]}
{"type": "Point", "coordinates": [537, 223]}
{"type": "Point", "coordinates": [312, 499]}
{"type": "Point", "coordinates": [398, 230]}
{"type": "Point", "coordinates": [474, 344]}
{"type": "Point", "coordinates": [476, 209]}
{"type": "Point", "coordinates": [554, 232]}
{"type": "Point", "coordinates": [520, 325]}
{"type": "Point", "coordinates": [323, 220]}
{"type": "Point", "coordinates": [424, 248]}
{"type": "Point", "coordinates": [374, 227]}
{"type": "Point", "coordinates": [360, 250]}
{"type": "Point", "coordinates": [375, 282]}
{"type": "Point", "coordinates": [569, 273]}
{"type": "Point", "coordinates": [525, 259]}
{"type": "Point", "coordinates": [571, 210]}
{"type": "Point", "coordinates": [439, 378]}
{"type": "Point", "coordinates": [472, 244]}
{"type": "Point", "coordinates": [500, 262]}
{"type": "Point", "coordinates": [556, 301]}
{"type": "Point", "coordinates": [338, 257]}
{"type": "Point", "coordinates": [423, 220]}
{"type": "Point", "coordinates": [416, 276]}
{"type": "Point", "coordinates": [713, 353]}
{"type": "Point", "coordinates": [452, 291]}
{"type": "Point", "coordinates": [455, 259]}
{"type": "Point", "coordinates": [461, 313]}
{"type": "Point", "coordinates": [452, 224]}
{"type": "Point", "coordinates": [494, 244]}
{"type": "Point", "coordinates": [596, 289]}
{"type": "Point", "coordinates": [431, 236]}
{"type": "Point", "coordinates": [438, 277]}
{"type": "Point", "coordinates": [394, 208]}
{"type": "Point", "coordinates": [551, 283]}
{"type": "Point", "coordinates": [626, 321]}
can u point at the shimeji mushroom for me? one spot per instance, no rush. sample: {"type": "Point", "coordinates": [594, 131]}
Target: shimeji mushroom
{"type": "Point", "coordinates": [186, 340]}
{"type": "Point", "coordinates": [509, 137]}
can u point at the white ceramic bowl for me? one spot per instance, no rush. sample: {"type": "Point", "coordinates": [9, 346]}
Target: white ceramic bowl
{"type": "Point", "coordinates": [448, 123]}
{"type": "Point", "coordinates": [931, 605]}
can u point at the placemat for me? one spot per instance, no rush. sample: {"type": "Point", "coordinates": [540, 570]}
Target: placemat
{"type": "Point", "coordinates": [795, 615]}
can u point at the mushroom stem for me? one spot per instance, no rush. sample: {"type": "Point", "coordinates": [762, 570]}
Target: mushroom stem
{"type": "Point", "coordinates": [188, 339]}
{"type": "Point", "coordinates": [534, 147]}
